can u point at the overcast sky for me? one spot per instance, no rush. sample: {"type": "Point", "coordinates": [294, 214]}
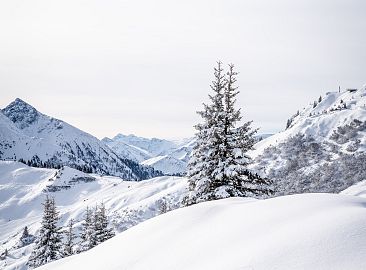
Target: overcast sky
{"type": "Point", "coordinates": [144, 67]}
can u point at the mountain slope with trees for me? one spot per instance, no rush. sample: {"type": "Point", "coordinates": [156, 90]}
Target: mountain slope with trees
{"type": "Point", "coordinates": [323, 148]}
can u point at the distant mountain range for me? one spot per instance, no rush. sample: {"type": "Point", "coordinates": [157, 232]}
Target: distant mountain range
{"type": "Point", "coordinates": [27, 134]}
{"type": "Point", "coordinates": [170, 157]}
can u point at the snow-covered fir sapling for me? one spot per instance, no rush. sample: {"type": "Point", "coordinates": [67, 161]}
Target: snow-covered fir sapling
{"type": "Point", "coordinates": [26, 238]}
{"type": "Point", "coordinates": [69, 239]}
{"type": "Point", "coordinates": [102, 231]}
{"type": "Point", "coordinates": [4, 254]}
{"type": "Point", "coordinates": [48, 244]}
{"type": "Point", "coordinates": [218, 166]}
{"type": "Point", "coordinates": [88, 233]}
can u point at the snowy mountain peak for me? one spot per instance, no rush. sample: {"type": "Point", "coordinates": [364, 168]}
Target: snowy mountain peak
{"type": "Point", "coordinates": [32, 136]}
{"type": "Point", "coordinates": [21, 113]}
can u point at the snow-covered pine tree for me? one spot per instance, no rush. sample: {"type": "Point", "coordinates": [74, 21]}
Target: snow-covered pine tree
{"type": "Point", "coordinates": [218, 167]}
{"type": "Point", "coordinates": [206, 152]}
{"type": "Point", "coordinates": [102, 231]}
{"type": "Point", "coordinates": [88, 240]}
{"type": "Point", "coordinates": [26, 238]}
{"type": "Point", "coordinates": [235, 179]}
{"type": "Point", "coordinates": [4, 254]}
{"type": "Point", "coordinates": [162, 206]}
{"type": "Point", "coordinates": [69, 241]}
{"type": "Point", "coordinates": [48, 244]}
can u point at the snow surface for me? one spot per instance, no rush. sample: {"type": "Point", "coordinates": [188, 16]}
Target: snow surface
{"type": "Point", "coordinates": [308, 231]}
{"type": "Point", "coordinates": [358, 189]}
{"type": "Point", "coordinates": [23, 189]}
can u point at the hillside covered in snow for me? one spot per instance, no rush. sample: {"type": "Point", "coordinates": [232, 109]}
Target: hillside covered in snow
{"type": "Point", "coordinates": [322, 149]}
{"type": "Point", "coordinates": [23, 190]}
{"type": "Point", "coordinates": [308, 231]}
{"type": "Point", "coordinates": [30, 135]}
{"type": "Point", "coordinates": [170, 157]}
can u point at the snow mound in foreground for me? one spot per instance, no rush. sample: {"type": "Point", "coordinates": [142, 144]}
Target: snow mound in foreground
{"type": "Point", "coordinates": [358, 189]}
{"type": "Point", "coordinates": [308, 231]}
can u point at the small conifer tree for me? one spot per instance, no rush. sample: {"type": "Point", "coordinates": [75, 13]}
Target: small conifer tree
{"type": "Point", "coordinates": [102, 231]}
{"type": "Point", "coordinates": [48, 243]}
{"type": "Point", "coordinates": [69, 241]}
{"type": "Point", "coordinates": [88, 231]}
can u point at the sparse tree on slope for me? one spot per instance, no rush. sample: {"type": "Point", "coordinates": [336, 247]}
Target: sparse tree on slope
{"type": "Point", "coordinates": [70, 237]}
{"type": "Point", "coordinates": [102, 231]}
{"type": "Point", "coordinates": [48, 244]}
{"type": "Point", "coordinates": [218, 167]}
{"type": "Point", "coordinates": [26, 238]}
{"type": "Point", "coordinates": [88, 240]}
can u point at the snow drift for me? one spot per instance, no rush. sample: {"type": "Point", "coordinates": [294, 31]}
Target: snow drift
{"type": "Point", "coordinates": [309, 231]}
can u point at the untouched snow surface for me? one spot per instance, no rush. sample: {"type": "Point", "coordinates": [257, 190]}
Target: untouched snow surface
{"type": "Point", "coordinates": [358, 189]}
{"type": "Point", "coordinates": [309, 231]}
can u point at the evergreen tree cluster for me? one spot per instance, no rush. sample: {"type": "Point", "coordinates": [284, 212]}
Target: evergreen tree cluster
{"type": "Point", "coordinates": [95, 228]}
{"type": "Point", "coordinates": [38, 163]}
{"type": "Point", "coordinates": [49, 245]}
{"type": "Point", "coordinates": [218, 166]}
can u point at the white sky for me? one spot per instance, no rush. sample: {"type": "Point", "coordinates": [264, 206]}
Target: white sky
{"type": "Point", "coordinates": [144, 67]}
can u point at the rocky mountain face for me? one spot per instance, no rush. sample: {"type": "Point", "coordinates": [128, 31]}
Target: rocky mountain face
{"type": "Point", "coordinates": [30, 135]}
{"type": "Point", "coordinates": [322, 149]}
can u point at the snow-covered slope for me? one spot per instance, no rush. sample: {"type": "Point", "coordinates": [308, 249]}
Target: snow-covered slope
{"type": "Point", "coordinates": [23, 189]}
{"type": "Point", "coordinates": [167, 164]}
{"type": "Point", "coordinates": [170, 157]}
{"type": "Point", "coordinates": [312, 231]}
{"type": "Point", "coordinates": [28, 134]}
{"type": "Point", "coordinates": [358, 189]}
{"type": "Point", "coordinates": [336, 109]}
{"type": "Point", "coordinates": [323, 148]}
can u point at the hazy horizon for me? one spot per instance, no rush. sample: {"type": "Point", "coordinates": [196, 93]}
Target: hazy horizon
{"type": "Point", "coordinates": [144, 67]}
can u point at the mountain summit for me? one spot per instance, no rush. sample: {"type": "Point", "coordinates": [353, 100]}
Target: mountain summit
{"type": "Point", "coordinates": [21, 113]}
